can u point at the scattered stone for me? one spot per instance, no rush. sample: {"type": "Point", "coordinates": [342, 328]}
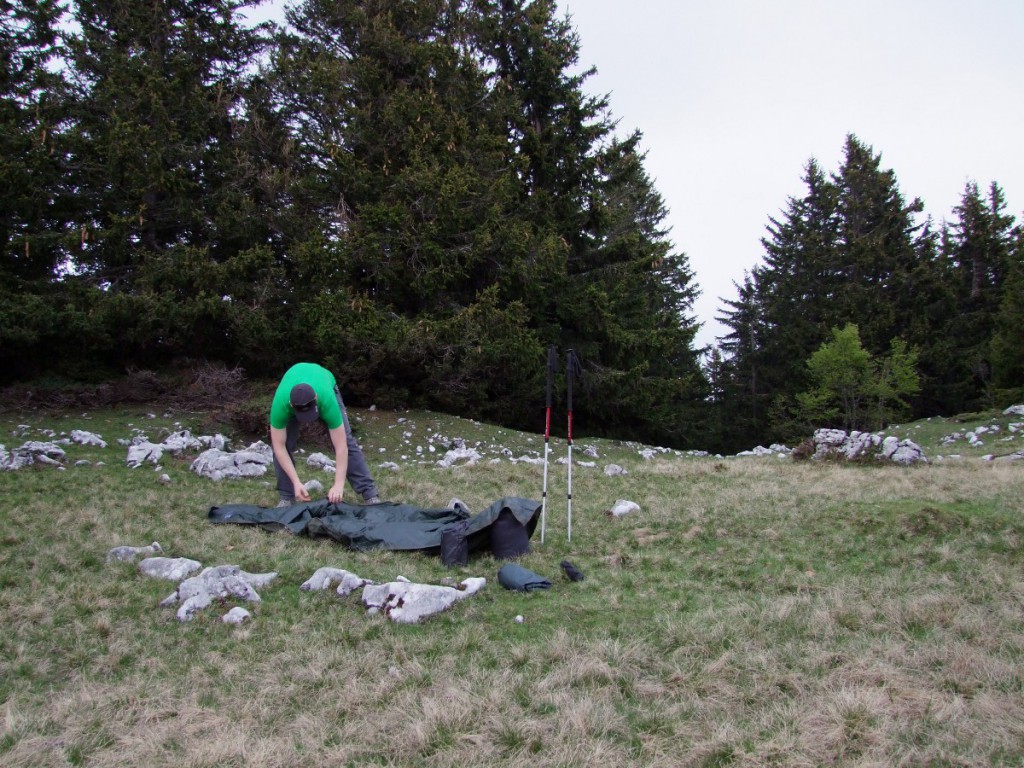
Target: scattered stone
{"type": "Point", "coordinates": [457, 454]}
{"type": "Point", "coordinates": [320, 461]}
{"type": "Point", "coordinates": [323, 578]}
{"type": "Point", "coordinates": [536, 460]}
{"type": "Point", "coordinates": [179, 442]}
{"type": "Point", "coordinates": [143, 451]}
{"type": "Point", "coordinates": [405, 602]}
{"type": "Point", "coordinates": [835, 443]}
{"type": "Point", "coordinates": [613, 470]}
{"type": "Point", "coordinates": [217, 464]}
{"type": "Point", "coordinates": [622, 507]}
{"type": "Point", "coordinates": [218, 582]}
{"type": "Point", "coordinates": [236, 615]}
{"type": "Point", "coordinates": [170, 568]}
{"type": "Point", "coordinates": [126, 553]}
{"type": "Point", "coordinates": [459, 504]}
{"type": "Point", "coordinates": [904, 452]}
{"type": "Point", "coordinates": [30, 453]}
{"type": "Point", "coordinates": [1015, 456]}
{"type": "Point", "coordinates": [87, 438]}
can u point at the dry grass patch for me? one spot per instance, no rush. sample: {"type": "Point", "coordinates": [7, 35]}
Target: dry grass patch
{"type": "Point", "coordinates": [753, 612]}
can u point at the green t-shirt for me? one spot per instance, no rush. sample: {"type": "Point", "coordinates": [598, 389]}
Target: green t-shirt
{"type": "Point", "coordinates": [323, 383]}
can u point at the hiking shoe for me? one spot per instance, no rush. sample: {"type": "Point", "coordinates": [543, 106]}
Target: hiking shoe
{"type": "Point", "coordinates": [571, 571]}
{"type": "Point", "coordinates": [371, 500]}
{"type": "Point", "coordinates": [284, 503]}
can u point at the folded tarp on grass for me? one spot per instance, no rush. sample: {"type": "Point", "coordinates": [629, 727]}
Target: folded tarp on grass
{"type": "Point", "coordinates": [387, 525]}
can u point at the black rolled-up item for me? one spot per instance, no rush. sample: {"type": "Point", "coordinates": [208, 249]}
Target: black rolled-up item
{"type": "Point", "coordinates": [515, 576]}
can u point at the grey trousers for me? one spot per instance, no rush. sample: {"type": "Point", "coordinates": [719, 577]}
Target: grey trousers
{"type": "Point", "coordinates": [358, 471]}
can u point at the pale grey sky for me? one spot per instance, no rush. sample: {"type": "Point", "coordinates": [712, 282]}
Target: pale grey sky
{"type": "Point", "coordinates": [734, 96]}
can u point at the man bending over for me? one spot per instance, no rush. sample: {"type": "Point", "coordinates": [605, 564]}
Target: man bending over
{"type": "Point", "coordinates": [308, 392]}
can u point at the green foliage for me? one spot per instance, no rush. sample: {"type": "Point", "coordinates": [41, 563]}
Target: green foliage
{"type": "Point", "coordinates": [841, 371]}
{"type": "Point", "coordinates": [53, 329]}
{"type": "Point", "coordinates": [153, 130]}
{"type": "Point", "coordinates": [977, 251]}
{"type": "Point", "coordinates": [897, 380]}
{"type": "Point", "coordinates": [851, 251]}
{"type": "Point", "coordinates": [419, 195]}
{"type": "Point", "coordinates": [484, 361]}
{"type": "Point", "coordinates": [481, 214]}
{"type": "Point", "coordinates": [34, 215]}
{"type": "Point", "coordinates": [854, 390]}
{"type": "Point", "coordinates": [376, 354]}
{"type": "Point", "coordinates": [1007, 346]}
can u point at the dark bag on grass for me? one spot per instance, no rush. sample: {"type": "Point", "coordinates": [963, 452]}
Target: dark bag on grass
{"type": "Point", "coordinates": [455, 545]}
{"type": "Point", "coordinates": [514, 576]}
{"type": "Point", "coordinates": [509, 537]}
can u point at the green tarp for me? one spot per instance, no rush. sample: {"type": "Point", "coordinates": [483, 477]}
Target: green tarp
{"type": "Point", "coordinates": [387, 525]}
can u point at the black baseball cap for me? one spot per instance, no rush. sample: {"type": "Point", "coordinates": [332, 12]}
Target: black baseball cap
{"type": "Point", "coordinates": [304, 402]}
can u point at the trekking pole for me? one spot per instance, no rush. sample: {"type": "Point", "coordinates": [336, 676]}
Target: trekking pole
{"type": "Point", "coordinates": [552, 365]}
{"type": "Point", "coordinates": [571, 366]}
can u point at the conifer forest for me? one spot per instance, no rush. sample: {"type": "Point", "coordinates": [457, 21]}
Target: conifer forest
{"type": "Point", "coordinates": [424, 197]}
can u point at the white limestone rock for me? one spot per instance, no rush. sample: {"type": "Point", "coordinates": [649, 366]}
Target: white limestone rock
{"type": "Point", "coordinates": [127, 553]}
{"type": "Point", "coordinates": [406, 602]}
{"type": "Point", "coordinates": [170, 568]}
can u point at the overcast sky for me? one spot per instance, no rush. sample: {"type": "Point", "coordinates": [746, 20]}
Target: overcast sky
{"type": "Point", "coordinates": [733, 97]}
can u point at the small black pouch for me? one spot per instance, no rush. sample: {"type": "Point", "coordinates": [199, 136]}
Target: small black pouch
{"type": "Point", "coordinates": [455, 545]}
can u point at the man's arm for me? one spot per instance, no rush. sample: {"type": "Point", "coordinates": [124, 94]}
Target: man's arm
{"type": "Point", "coordinates": [340, 441]}
{"type": "Point", "coordinates": [278, 437]}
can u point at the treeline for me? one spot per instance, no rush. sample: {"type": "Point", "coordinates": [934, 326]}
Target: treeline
{"type": "Point", "coordinates": [422, 196]}
{"type": "Point", "coordinates": [851, 265]}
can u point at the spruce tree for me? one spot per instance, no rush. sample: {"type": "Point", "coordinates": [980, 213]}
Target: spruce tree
{"type": "Point", "coordinates": [1007, 349]}
{"type": "Point", "coordinates": [157, 88]}
{"type": "Point", "coordinates": [35, 220]}
{"type": "Point", "coordinates": [740, 399]}
{"type": "Point", "coordinates": [166, 197]}
{"type": "Point", "coordinates": [849, 251]}
{"type": "Point", "coordinates": [798, 282]}
{"type": "Point", "coordinates": [876, 249]}
{"type": "Point", "coordinates": [978, 250]}
{"type": "Point", "coordinates": [478, 210]}
{"type": "Point", "coordinates": [630, 307]}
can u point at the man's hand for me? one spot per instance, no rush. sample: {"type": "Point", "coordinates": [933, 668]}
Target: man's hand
{"type": "Point", "coordinates": [301, 494]}
{"type": "Point", "coordinates": [335, 494]}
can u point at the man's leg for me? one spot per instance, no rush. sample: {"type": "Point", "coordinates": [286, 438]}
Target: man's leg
{"type": "Point", "coordinates": [285, 487]}
{"type": "Point", "coordinates": [358, 471]}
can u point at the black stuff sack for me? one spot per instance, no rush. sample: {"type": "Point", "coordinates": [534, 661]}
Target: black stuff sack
{"type": "Point", "coordinates": [509, 537]}
{"type": "Point", "coordinates": [455, 546]}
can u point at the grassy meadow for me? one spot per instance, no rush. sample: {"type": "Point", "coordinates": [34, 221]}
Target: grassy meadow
{"type": "Point", "coordinates": [755, 611]}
